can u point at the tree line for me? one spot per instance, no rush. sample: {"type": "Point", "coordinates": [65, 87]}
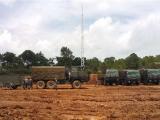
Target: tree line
{"type": "Point", "coordinates": [21, 63]}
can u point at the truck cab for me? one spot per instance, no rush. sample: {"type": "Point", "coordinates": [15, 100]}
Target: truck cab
{"type": "Point", "coordinates": [78, 74]}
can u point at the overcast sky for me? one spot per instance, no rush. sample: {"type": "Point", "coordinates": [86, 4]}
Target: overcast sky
{"type": "Point", "coordinates": [112, 27]}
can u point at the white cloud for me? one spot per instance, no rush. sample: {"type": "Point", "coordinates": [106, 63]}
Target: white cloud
{"type": "Point", "coordinates": [7, 2]}
{"type": "Point", "coordinates": [107, 38]}
{"type": "Point", "coordinates": [6, 42]}
{"type": "Point", "coordinates": [145, 37]}
{"type": "Point", "coordinates": [113, 27]}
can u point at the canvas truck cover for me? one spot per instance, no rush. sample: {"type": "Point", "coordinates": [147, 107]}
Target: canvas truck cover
{"type": "Point", "coordinates": [153, 73]}
{"type": "Point", "coordinates": [48, 72]}
{"type": "Point", "coordinates": [133, 74]}
{"type": "Point", "coordinates": [112, 73]}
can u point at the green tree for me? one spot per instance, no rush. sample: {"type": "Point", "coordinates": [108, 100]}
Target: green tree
{"type": "Point", "coordinates": [66, 58]}
{"type": "Point", "coordinates": [9, 60]}
{"type": "Point", "coordinates": [103, 67]}
{"type": "Point", "coordinates": [148, 62]}
{"type": "Point", "coordinates": [1, 61]}
{"type": "Point", "coordinates": [76, 61]}
{"type": "Point", "coordinates": [1, 58]}
{"type": "Point", "coordinates": [109, 62]}
{"type": "Point", "coordinates": [120, 64]}
{"type": "Point", "coordinates": [51, 61]}
{"type": "Point", "coordinates": [41, 60]}
{"type": "Point", "coordinates": [133, 61]}
{"type": "Point", "coordinates": [157, 62]}
{"type": "Point", "coordinates": [19, 62]}
{"type": "Point", "coordinates": [93, 64]}
{"type": "Point", "coordinates": [157, 58]}
{"type": "Point", "coordinates": [9, 57]}
{"type": "Point", "coordinates": [28, 57]}
{"type": "Point", "coordinates": [60, 61]}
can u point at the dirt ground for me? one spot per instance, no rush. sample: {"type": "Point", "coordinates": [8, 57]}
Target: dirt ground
{"type": "Point", "coordinates": [88, 103]}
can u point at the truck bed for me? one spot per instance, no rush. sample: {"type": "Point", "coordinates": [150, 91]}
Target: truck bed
{"type": "Point", "coordinates": [48, 73]}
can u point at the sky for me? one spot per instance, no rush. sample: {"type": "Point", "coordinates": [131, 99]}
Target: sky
{"type": "Point", "coordinates": [111, 27]}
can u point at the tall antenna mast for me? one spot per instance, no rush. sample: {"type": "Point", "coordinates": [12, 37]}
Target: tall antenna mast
{"type": "Point", "coordinates": [82, 41]}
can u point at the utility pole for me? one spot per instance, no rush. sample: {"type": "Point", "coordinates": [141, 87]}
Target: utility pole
{"type": "Point", "coordinates": [82, 40]}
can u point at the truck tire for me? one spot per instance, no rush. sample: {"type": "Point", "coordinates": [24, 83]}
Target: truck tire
{"type": "Point", "coordinates": [137, 83]}
{"type": "Point", "coordinates": [51, 84]}
{"type": "Point", "coordinates": [11, 86]}
{"type": "Point", "coordinates": [110, 83]}
{"type": "Point", "coordinates": [14, 87]}
{"type": "Point", "coordinates": [157, 82]}
{"type": "Point", "coordinates": [40, 84]}
{"type": "Point", "coordinates": [129, 83]}
{"type": "Point", "coordinates": [117, 83]}
{"type": "Point", "coordinates": [76, 84]}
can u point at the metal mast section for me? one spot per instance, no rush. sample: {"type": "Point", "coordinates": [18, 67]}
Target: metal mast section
{"type": "Point", "coordinates": [82, 40]}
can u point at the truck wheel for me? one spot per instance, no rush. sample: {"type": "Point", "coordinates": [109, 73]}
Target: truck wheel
{"type": "Point", "coordinates": [116, 83]}
{"type": "Point", "coordinates": [76, 84]}
{"type": "Point", "coordinates": [40, 84]}
{"type": "Point", "coordinates": [137, 83]}
{"type": "Point", "coordinates": [11, 86]}
{"type": "Point", "coordinates": [129, 82]}
{"type": "Point", "coordinates": [51, 84]}
{"type": "Point", "coordinates": [157, 82]}
{"type": "Point", "coordinates": [110, 83]}
{"type": "Point", "coordinates": [14, 87]}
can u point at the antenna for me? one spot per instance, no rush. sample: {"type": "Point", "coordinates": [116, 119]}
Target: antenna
{"type": "Point", "coordinates": [82, 41]}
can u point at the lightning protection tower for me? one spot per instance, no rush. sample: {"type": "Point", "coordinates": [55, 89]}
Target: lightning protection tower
{"type": "Point", "coordinates": [82, 40]}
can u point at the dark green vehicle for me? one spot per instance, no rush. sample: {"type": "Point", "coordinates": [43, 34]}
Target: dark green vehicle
{"type": "Point", "coordinates": [11, 81]}
{"type": "Point", "coordinates": [150, 76]}
{"type": "Point", "coordinates": [51, 76]}
{"type": "Point", "coordinates": [124, 77]}
{"type": "Point", "coordinates": [111, 77]}
{"type": "Point", "coordinates": [130, 77]}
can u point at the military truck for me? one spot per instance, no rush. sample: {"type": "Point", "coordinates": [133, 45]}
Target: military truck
{"type": "Point", "coordinates": [111, 77]}
{"type": "Point", "coordinates": [51, 76]}
{"type": "Point", "coordinates": [11, 81]}
{"type": "Point", "coordinates": [123, 77]}
{"type": "Point", "coordinates": [130, 77]}
{"type": "Point", "coordinates": [150, 76]}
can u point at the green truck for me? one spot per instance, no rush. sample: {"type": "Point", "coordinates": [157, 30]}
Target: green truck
{"type": "Point", "coordinates": [51, 76]}
{"type": "Point", "coordinates": [150, 76]}
{"type": "Point", "coordinates": [11, 80]}
{"type": "Point", "coordinates": [130, 77]}
{"type": "Point", "coordinates": [111, 77]}
{"type": "Point", "coordinates": [123, 77]}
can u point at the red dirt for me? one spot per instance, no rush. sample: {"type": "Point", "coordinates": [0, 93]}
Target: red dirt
{"type": "Point", "coordinates": [88, 103]}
